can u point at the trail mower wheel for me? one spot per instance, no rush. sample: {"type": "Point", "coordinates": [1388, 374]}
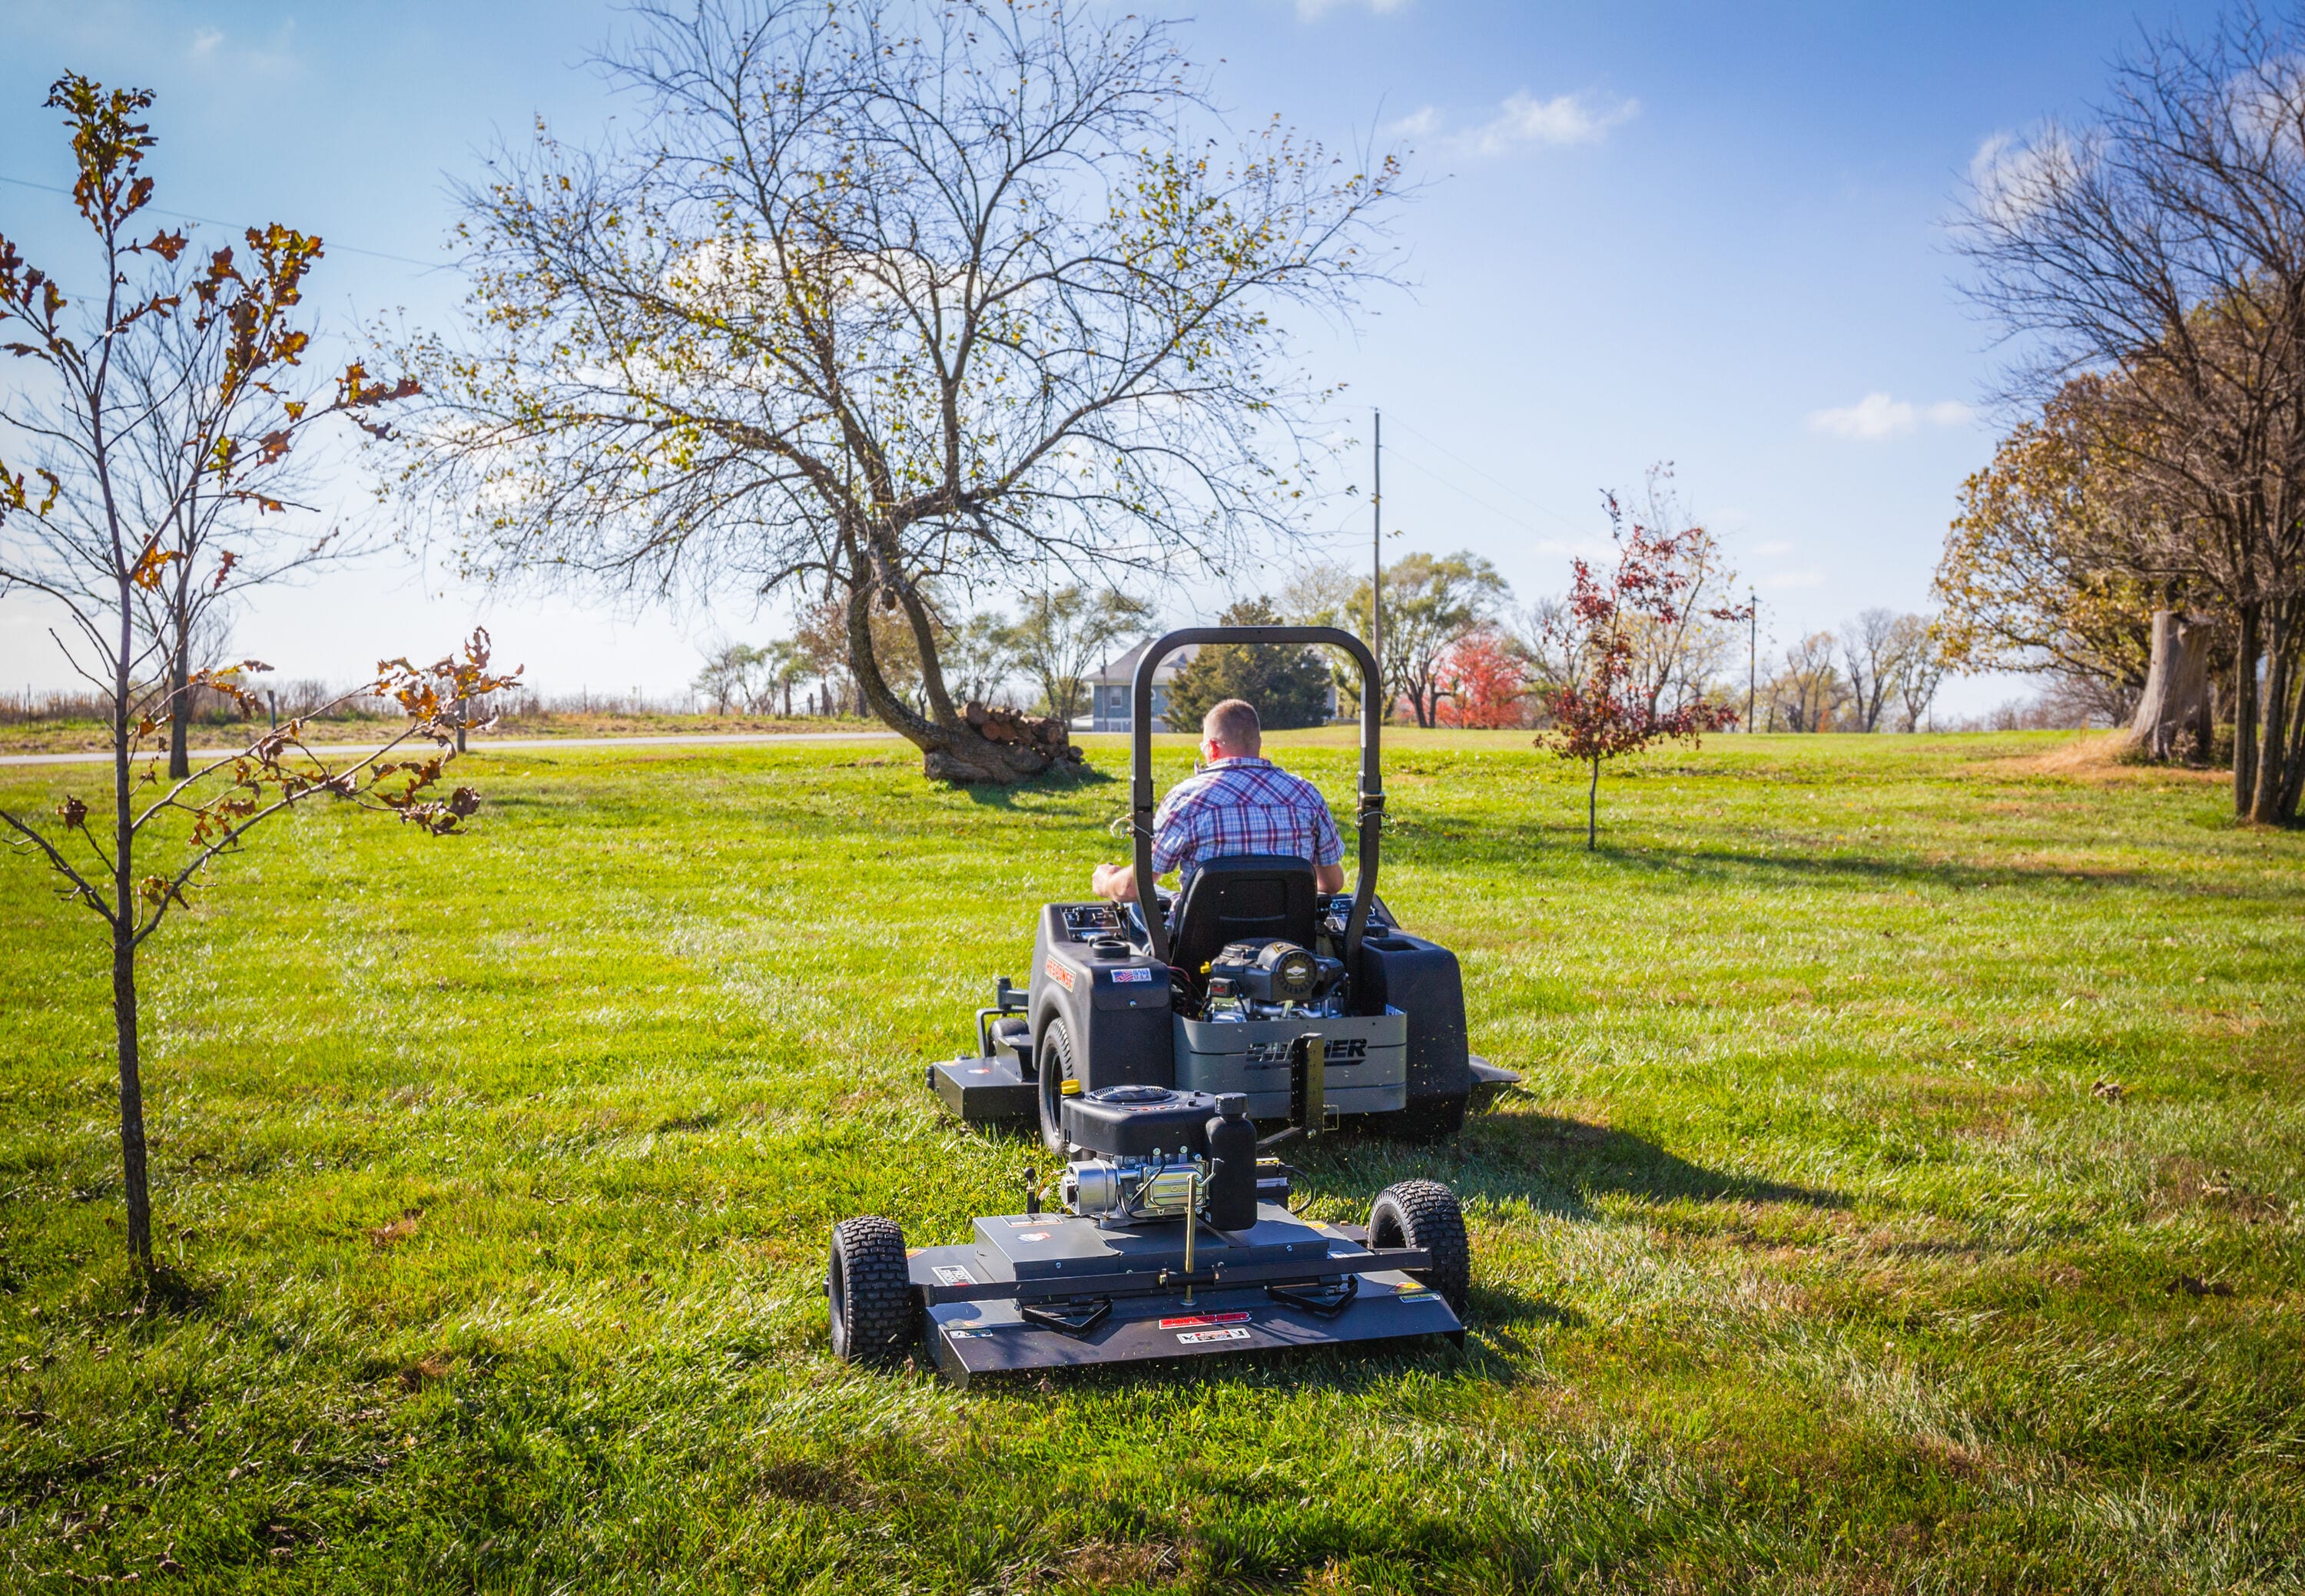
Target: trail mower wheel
{"type": "Point", "coordinates": [1054, 1061]}
{"type": "Point", "coordinates": [875, 1315]}
{"type": "Point", "coordinates": [1424, 1214]}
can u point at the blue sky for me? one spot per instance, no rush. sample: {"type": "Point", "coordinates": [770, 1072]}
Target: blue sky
{"type": "Point", "coordinates": [1695, 233]}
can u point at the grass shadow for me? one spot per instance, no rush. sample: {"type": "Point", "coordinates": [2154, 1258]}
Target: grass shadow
{"type": "Point", "coordinates": [1554, 1164]}
{"type": "Point", "coordinates": [1056, 778]}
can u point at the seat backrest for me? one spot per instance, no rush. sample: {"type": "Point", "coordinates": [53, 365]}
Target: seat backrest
{"type": "Point", "coordinates": [1238, 896]}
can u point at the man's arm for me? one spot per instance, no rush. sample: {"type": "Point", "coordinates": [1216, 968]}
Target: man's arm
{"type": "Point", "coordinates": [1329, 878]}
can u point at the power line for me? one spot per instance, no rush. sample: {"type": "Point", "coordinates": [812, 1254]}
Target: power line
{"type": "Point", "coordinates": [1502, 515]}
{"type": "Point", "coordinates": [186, 215]}
{"type": "Point", "coordinates": [1476, 471]}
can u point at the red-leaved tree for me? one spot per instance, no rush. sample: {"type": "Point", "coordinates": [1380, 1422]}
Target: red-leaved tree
{"type": "Point", "coordinates": [1485, 681]}
{"type": "Point", "coordinates": [1603, 709]}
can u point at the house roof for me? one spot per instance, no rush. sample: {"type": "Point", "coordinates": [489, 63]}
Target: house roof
{"type": "Point", "coordinates": [1120, 671]}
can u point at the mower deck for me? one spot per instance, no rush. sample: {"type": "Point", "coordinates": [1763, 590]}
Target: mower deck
{"type": "Point", "coordinates": [1055, 1290]}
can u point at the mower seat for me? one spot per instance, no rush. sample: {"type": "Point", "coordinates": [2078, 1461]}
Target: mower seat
{"type": "Point", "coordinates": [1242, 896]}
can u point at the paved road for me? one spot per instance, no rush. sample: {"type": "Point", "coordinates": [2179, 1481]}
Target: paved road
{"type": "Point", "coordinates": [483, 745]}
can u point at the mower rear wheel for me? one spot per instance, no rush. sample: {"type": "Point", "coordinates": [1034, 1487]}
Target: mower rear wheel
{"type": "Point", "coordinates": [1424, 1214]}
{"type": "Point", "coordinates": [876, 1317]}
{"type": "Point", "coordinates": [1054, 1061]}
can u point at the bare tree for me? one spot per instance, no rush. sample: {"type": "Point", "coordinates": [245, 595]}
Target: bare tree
{"type": "Point", "coordinates": [2160, 253]}
{"type": "Point", "coordinates": [728, 675]}
{"type": "Point", "coordinates": [883, 293]}
{"type": "Point", "coordinates": [1917, 668]}
{"type": "Point", "coordinates": [1675, 661]}
{"type": "Point", "coordinates": [1809, 691]}
{"type": "Point", "coordinates": [1868, 649]}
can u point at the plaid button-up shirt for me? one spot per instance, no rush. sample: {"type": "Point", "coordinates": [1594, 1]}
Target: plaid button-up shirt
{"type": "Point", "coordinates": [1242, 805]}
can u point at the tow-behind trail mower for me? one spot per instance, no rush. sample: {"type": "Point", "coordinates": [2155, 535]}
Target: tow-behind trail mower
{"type": "Point", "coordinates": [1148, 1047]}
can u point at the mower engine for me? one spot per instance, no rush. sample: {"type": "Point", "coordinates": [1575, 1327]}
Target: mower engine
{"type": "Point", "coordinates": [1159, 1154]}
{"type": "Point", "coordinates": [1274, 979]}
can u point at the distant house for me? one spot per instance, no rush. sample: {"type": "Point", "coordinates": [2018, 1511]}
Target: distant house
{"type": "Point", "coordinates": [1109, 688]}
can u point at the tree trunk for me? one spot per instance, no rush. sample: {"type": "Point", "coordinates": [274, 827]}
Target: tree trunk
{"type": "Point", "coordinates": [2273, 747]}
{"type": "Point", "coordinates": [2176, 685]}
{"type": "Point", "coordinates": [2244, 771]}
{"type": "Point", "coordinates": [131, 1088]}
{"type": "Point", "coordinates": [1592, 809]}
{"type": "Point", "coordinates": [124, 958]}
{"type": "Point", "coordinates": [180, 707]}
{"type": "Point", "coordinates": [956, 751]}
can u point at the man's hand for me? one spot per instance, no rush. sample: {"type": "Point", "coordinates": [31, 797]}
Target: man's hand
{"type": "Point", "coordinates": [1116, 882]}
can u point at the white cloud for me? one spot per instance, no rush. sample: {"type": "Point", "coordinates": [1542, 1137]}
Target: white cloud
{"type": "Point", "coordinates": [2011, 178]}
{"type": "Point", "coordinates": [205, 40]}
{"type": "Point", "coordinates": [1416, 125]}
{"type": "Point", "coordinates": [1524, 122]}
{"type": "Point", "coordinates": [1794, 579]}
{"type": "Point", "coordinates": [1312, 11]}
{"type": "Point", "coordinates": [1771, 550]}
{"type": "Point", "coordinates": [1564, 119]}
{"type": "Point", "coordinates": [1877, 416]}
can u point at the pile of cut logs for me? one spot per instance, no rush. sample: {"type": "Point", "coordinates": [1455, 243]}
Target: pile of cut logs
{"type": "Point", "coordinates": [1047, 733]}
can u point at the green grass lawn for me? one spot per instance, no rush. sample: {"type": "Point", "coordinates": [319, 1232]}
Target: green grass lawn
{"type": "Point", "coordinates": [497, 1174]}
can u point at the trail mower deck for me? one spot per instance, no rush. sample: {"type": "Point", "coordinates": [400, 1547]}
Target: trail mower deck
{"type": "Point", "coordinates": [1056, 1291]}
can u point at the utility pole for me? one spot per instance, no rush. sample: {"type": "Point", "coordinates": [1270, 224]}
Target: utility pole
{"type": "Point", "coordinates": [1752, 652]}
{"type": "Point", "coordinates": [1376, 564]}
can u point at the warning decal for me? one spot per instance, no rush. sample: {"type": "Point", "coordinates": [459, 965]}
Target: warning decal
{"type": "Point", "coordinates": [953, 1275]}
{"type": "Point", "coordinates": [1194, 1337]}
{"type": "Point", "coordinates": [1195, 1320]}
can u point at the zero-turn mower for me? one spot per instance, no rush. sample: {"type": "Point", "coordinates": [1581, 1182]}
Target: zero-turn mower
{"type": "Point", "coordinates": [1163, 1058]}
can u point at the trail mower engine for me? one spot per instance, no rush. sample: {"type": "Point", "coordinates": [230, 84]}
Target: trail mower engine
{"type": "Point", "coordinates": [1162, 1154]}
{"type": "Point", "coordinates": [1270, 978]}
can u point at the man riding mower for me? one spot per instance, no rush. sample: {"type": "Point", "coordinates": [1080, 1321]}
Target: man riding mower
{"type": "Point", "coordinates": [1164, 1050]}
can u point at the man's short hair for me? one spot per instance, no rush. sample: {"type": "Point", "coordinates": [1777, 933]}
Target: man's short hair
{"type": "Point", "coordinates": [1234, 724]}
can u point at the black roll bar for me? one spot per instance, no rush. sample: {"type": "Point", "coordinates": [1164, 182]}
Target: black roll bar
{"type": "Point", "coordinates": [1371, 816]}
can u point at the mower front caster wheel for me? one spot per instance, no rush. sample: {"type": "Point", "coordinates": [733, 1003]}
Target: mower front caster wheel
{"type": "Point", "coordinates": [876, 1316]}
{"type": "Point", "coordinates": [1424, 1214]}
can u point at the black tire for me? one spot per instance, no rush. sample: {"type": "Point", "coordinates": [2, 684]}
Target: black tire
{"type": "Point", "coordinates": [876, 1317]}
{"type": "Point", "coordinates": [1424, 1214]}
{"type": "Point", "coordinates": [1425, 1119]}
{"type": "Point", "coordinates": [1053, 1058]}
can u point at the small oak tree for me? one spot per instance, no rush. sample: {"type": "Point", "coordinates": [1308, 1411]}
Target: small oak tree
{"type": "Point", "coordinates": [1603, 709]}
{"type": "Point", "coordinates": [104, 557]}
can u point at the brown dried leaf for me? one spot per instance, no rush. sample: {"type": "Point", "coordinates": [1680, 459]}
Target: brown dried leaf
{"type": "Point", "coordinates": [388, 1235]}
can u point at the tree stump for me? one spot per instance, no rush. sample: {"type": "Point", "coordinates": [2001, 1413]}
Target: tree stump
{"type": "Point", "coordinates": [997, 747]}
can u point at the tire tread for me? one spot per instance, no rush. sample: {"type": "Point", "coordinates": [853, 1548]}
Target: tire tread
{"type": "Point", "coordinates": [1427, 1216]}
{"type": "Point", "coordinates": [880, 1310]}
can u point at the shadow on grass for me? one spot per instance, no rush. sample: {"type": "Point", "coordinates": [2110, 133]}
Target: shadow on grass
{"type": "Point", "coordinates": [1556, 1165]}
{"type": "Point", "coordinates": [1715, 865]}
{"type": "Point", "coordinates": [1561, 1165]}
{"type": "Point", "coordinates": [1056, 778]}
